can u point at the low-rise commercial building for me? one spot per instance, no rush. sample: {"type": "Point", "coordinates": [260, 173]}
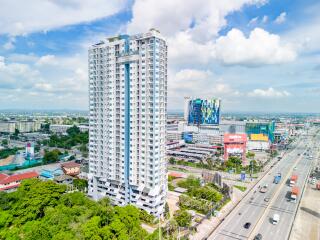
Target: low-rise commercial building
{"type": "Point", "coordinates": [235, 145]}
{"type": "Point", "coordinates": [71, 168]}
{"type": "Point", "coordinates": [23, 126]}
{"type": "Point", "coordinates": [10, 182]}
{"type": "Point", "coordinates": [62, 129]}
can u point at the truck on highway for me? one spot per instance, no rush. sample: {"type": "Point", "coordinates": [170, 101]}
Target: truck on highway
{"type": "Point", "coordinates": [293, 180]}
{"type": "Point", "coordinates": [294, 194]}
{"type": "Point", "coordinates": [264, 189]}
{"type": "Point", "coordinates": [277, 178]}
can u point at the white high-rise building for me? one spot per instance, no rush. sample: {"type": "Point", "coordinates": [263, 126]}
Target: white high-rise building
{"type": "Point", "coordinates": [128, 103]}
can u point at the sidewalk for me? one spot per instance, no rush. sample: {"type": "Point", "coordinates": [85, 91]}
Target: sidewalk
{"type": "Point", "coordinates": [208, 225]}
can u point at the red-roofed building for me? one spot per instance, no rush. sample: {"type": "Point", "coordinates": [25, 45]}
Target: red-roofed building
{"type": "Point", "coordinates": [8, 182]}
{"type": "Point", "coordinates": [71, 168]}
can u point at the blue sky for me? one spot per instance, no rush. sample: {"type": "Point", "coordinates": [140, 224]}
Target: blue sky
{"type": "Point", "coordinates": [256, 55]}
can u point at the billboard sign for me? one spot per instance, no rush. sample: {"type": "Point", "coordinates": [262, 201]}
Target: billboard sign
{"type": "Point", "coordinates": [235, 138]}
{"type": "Point", "coordinates": [204, 111]}
{"type": "Point", "coordinates": [243, 176]}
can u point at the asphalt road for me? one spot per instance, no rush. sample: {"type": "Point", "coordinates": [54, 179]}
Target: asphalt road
{"type": "Point", "coordinates": [255, 210]}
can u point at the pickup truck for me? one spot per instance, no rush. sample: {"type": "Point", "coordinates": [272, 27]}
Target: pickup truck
{"type": "Point", "coordinates": [294, 194]}
{"type": "Point", "coordinates": [293, 180]}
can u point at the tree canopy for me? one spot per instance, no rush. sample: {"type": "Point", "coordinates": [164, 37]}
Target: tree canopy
{"type": "Point", "coordinates": [43, 210]}
{"type": "Point", "coordinates": [73, 138]}
{"type": "Point", "coordinates": [51, 156]}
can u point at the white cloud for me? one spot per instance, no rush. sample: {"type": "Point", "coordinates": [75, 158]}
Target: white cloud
{"type": "Point", "coordinates": [253, 21]}
{"type": "Point", "coordinates": [207, 17]}
{"type": "Point", "coordinates": [192, 33]}
{"type": "Point", "coordinates": [265, 19]}
{"type": "Point", "coordinates": [281, 18]}
{"type": "Point", "coordinates": [47, 60]}
{"type": "Point", "coordinates": [43, 86]}
{"type": "Point", "coordinates": [268, 93]}
{"type": "Point", "coordinates": [259, 48]}
{"type": "Point", "coordinates": [16, 74]}
{"type": "Point", "coordinates": [194, 82]}
{"type": "Point", "coordinates": [23, 17]}
{"type": "Point", "coordinates": [184, 50]}
{"type": "Point", "coordinates": [10, 44]}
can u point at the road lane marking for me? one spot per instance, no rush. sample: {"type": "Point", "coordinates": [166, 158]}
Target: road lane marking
{"type": "Point", "coordinates": [275, 195]}
{"type": "Point", "coordinates": [287, 159]}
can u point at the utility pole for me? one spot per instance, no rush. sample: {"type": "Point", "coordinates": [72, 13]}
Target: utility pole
{"type": "Point", "coordinates": [159, 227]}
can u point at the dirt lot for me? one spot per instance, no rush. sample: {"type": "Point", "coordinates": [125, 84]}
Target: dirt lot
{"type": "Point", "coordinates": [307, 222]}
{"type": "Point", "coordinates": [6, 161]}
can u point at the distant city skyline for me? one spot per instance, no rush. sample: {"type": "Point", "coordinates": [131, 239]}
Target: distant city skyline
{"type": "Point", "coordinates": [255, 55]}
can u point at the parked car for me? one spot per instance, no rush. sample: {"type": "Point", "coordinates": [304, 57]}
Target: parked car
{"type": "Point", "coordinates": [247, 225]}
{"type": "Point", "coordinates": [258, 237]}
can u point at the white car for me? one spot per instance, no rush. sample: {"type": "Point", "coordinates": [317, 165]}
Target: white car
{"type": "Point", "coordinates": [275, 219]}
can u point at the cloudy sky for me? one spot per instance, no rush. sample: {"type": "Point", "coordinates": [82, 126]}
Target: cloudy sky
{"type": "Point", "coordinates": [256, 55]}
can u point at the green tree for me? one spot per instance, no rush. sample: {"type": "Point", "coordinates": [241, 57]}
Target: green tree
{"type": "Point", "coordinates": [190, 182]}
{"type": "Point", "coordinates": [43, 210]}
{"type": "Point", "coordinates": [146, 217]}
{"type": "Point", "coordinates": [250, 155]}
{"type": "Point", "coordinates": [166, 211]}
{"type": "Point", "coordinates": [233, 162]}
{"type": "Point", "coordinates": [51, 156]}
{"type": "Point", "coordinates": [16, 132]}
{"type": "Point", "coordinates": [183, 218]}
{"type": "Point", "coordinates": [91, 229]}
{"type": "Point", "coordinates": [80, 184]}
{"type": "Point", "coordinates": [4, 142]}
{"type": "Point", "coordinates": [73, 131]}
{"type": "Point", "coordinates": [45, 127]}
{"type": "Point", "coordinates": [172, 160]}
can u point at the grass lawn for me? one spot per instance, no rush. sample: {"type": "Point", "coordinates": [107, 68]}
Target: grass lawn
{"type": "Point", "coordinates": [241, 188]}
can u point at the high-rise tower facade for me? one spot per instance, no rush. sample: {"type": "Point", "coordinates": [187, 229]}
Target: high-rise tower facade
{"type": "Point", "coordinates": [128, 103]}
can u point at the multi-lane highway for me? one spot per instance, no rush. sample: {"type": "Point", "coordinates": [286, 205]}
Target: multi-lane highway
{"type": "Point", "coordinates": [258, 208]}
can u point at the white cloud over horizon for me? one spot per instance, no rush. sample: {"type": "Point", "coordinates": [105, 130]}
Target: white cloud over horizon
{"type": "Point", "coordinates": [259, 48]}
{"type": "Point", "coordinates": [269, 93]}
{"type": "Point", "coordinates": [43, 15]}
{"type": "Point", "coordinates": [207, 56]}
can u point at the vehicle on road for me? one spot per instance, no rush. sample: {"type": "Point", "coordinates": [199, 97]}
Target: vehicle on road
{"type": "Point", "coordinates": [258, 237]}
{"type": "Point", "coordinates": [267, 199]}
{"type": "Point", "coordinates": [293, 180]}
{"type": "Point", "coordinates": [264, 189]}
{"type": "Point", "coordinates": [294, 194]}
{"type": "Point", "coordinates": [275, 219]}
{"type": "Point", "coordinates": [247, 225]}
{"type": "Point", "coordinates": [277, 178]}
{"type": "Point", "coordinates": [318, 186]}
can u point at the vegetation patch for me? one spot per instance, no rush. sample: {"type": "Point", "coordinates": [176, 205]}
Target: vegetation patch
{"type": "Point", "coordinates": [74, 137]}
{"type": "Point", "coordinates": [4, 153]}
{"type": "Point", "coordinates": [241, 188]}
{"type": "Point", "coordinates": [43, 210]}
